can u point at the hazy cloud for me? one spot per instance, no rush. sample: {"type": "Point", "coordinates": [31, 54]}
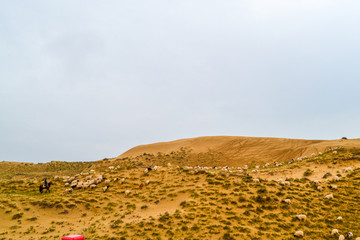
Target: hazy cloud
{"type": "Point", "coordinates": [84, 80]}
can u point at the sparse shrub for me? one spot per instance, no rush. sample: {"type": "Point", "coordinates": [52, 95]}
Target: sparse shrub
{"type": "Point", "coordinates": [227, 236]}
{"type": "Point", "coordinates": [308, 172]}
{"type": "Point", "coordinates": [17, 216]}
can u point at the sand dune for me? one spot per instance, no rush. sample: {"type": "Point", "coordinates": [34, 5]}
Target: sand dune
{"type": "Point", "coordinates": [244, 150]}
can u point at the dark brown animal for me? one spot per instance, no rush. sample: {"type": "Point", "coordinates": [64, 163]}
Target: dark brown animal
{"type": "Point", "coordinates": [42, 187]}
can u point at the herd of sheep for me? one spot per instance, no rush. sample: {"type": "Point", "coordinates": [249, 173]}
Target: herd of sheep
{"type": "Point", "coordinates": [92, 182]}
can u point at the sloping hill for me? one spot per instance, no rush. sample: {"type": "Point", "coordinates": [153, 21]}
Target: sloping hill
{"type": "Point", "coordinates": [244, 150]}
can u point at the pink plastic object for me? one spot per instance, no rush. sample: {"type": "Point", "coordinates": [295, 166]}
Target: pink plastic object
{"type": "Point", "coordinates": [73, 237]}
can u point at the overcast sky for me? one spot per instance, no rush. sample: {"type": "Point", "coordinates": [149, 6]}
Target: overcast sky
{"type": "Point", "coordinates": [85, 80]}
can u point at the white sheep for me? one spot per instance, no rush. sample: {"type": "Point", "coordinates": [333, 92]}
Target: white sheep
{"type": "Point", "coordinates": [111, 167]}
{"type": "Point", "coordinates": [336, 178]}
{"type": "Point", "coordinates": [339, 218]}
{"type": "Point", "coordinates": [335, 232]}
{"type": "Point", "coordinates": [299, 234]}
{"type": "Point", "coordinates": [92, 186]}
{"type": "Point", "coordinates": [319, 188]}
{"type": "Point", "coordinates": [107, 181]}
{"type": "Point", "coordinates": [341, 237]}
{"type": "Point", "coordinates": [155, 168]}
{"type": "Point", "coordinates": [329, 196]}
{"type": "Point", "coordinates": [287, 201]}
{"type": "Point", "coordinates": [256, 180]}
{"type": "Point", "coordinates": [358, 238]}
{"type": "Point", "coordinates": [146, 171]}
{"type": "Point", "coordinates": [301, 217]}
{"type": "Point", "coordinates": [348, 169]}
{"type": "Point", "coordinates": [68, 190]}
{"type": "Point", "coordinates": [349, 235]}
{"type": "Point", "coordinates": [317, 182]}
{"type": "Point", "coordinates": [333, 187]}
{"type": "Point", "coordinates": [127, 192]}
{"type": "Point", "coordinates": [106, 188]}
{"type": "Point", "coordinates": [285, 183]}
{"type": "Point", "coordinates": [147, 182]}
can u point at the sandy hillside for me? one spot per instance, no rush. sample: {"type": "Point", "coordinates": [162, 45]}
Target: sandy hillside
{"type": "Point", "coordinates": [182, 202]}
{"type": "Point", "coordinates": [244, 150]}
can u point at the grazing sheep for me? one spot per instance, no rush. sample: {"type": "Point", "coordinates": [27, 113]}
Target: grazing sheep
{"type": "Point", "coordinates": [67, 184]}
{"type": "Point", "coordinates": [68, 190]}
{"type": "Point", "coordinates": [334, 152]}
{"type": "Point", "coordinates": [301, 217]}
{"type": "Point", "coordinates": [336, 178]}
{"type": "Point", "coordinates": [329, 196]}
{"type": "Point", "coordinates": [127, 192]}
{"type": "Point", "coordinates": [106, 188]}
{"type": "Point", "coordinates": [287, 201]}
{"type": "Point", "coordinates": [348, 169]}
{"type": "Point", "coordinates": [349, 235]}
{"type": "Point", "coordinates": [79, 185]}
{"type": "Point", "coordinates": [299, 234]}
{"type": "Point", "coordinates": [254, 171]}
{"type": "Point", "coordinates": [339, 218]}
{"type": "Point", "coordinates": [256, 180]}
{"type": "Point", "coordinates": [146, 171]}
{"type": "Point", "coordinates": [327, 175]}
{"type": "Point", "coordinates": [341, 237]}
{"type": "Point", "coordinates": [333, 187]}
{"type": "Point", "coordinates": [316, 182]}
{"type": "Point", "coordinates": [92, 186]}
{"type": "Point", "coordinates": [115, 179]}
{"type": "Point", "coordinates": [358, 238]}
{"type": "Point", "coordinates": [111, 167]}
{"type": "Point", "coordinates": [147, 182]}
{"type": "Point", "coordinates": [285, 183]}
{"type": "Point", "coordinates": [155, 168]}
{"type": "Point", "coordinates": [319, 188]}
{"type": "Point", "coordinates": [122, 180]}
{"type": "Point", "coordinates": [335, 232]}
{"type": "Point", "coordinates": [107, 181]}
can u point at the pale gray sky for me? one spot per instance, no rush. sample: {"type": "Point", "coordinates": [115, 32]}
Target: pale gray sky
{"type": "Point", "coordinates": [85, 80]}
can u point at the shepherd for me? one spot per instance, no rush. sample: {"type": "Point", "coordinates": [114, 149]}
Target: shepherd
{"type": "Point", "coordinates": [45, 186]}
